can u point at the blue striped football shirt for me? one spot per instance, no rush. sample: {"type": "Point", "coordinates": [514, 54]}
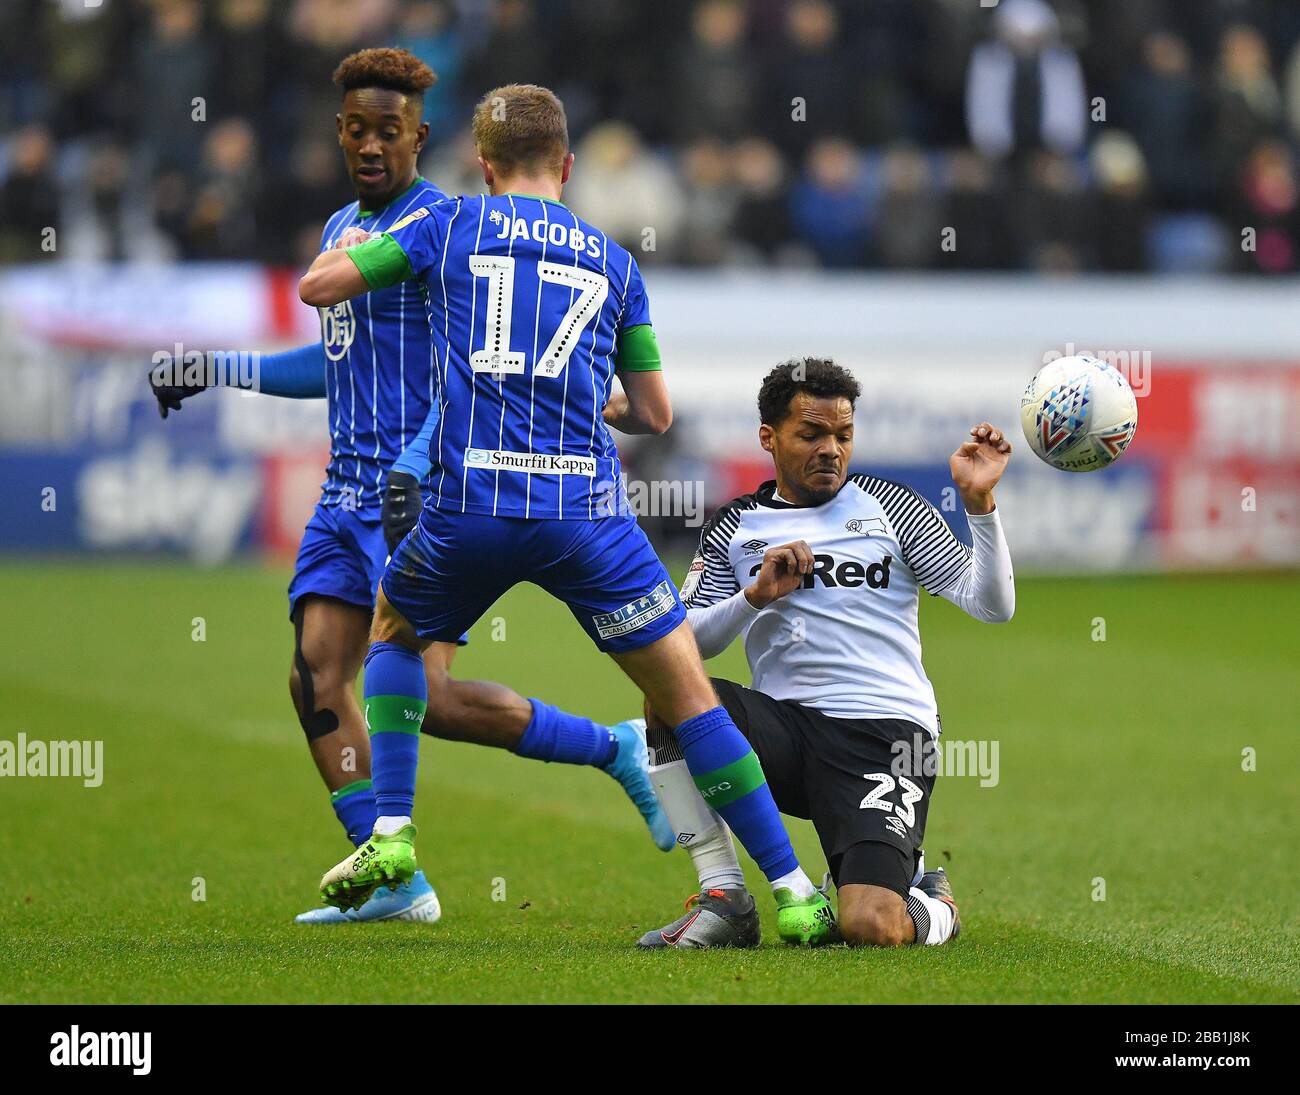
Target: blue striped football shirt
{"type": "Point", "coordinates": [379, 374]}
{"type": "Point", "coordinates": [525, 305]}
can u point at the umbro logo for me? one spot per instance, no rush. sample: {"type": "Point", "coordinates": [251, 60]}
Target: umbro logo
{"type": "Point", "coordinates": [754, 547]}
{"type": "Point", "coordinates": [685, 838]}
{"type": "Point", "coordinates": [866, 526]}
{"type": "Point", "coordinates": [895, 826]}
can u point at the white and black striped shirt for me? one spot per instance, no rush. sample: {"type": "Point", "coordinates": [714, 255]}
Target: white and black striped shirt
{"type": "Point", "coordinates": [847, 641]}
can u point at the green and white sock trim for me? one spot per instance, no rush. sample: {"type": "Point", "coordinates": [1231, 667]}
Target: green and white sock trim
{"type": "Point", "coordinates": [352, 788]}
{"type": "Point", "coordinates": [731, 782]}
{"type": "Point", "coordinates": [394, 714]}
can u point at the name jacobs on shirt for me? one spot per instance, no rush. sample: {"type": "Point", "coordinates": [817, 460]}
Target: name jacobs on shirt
{"type": "Point", "coordinates": [542, 231]}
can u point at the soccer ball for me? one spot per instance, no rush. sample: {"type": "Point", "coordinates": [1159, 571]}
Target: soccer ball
{"type": "Point", "coordinates": [1079, 413]}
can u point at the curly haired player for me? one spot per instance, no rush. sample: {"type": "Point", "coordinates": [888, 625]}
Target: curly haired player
{"type": "Point", "coordinates": [821, 571]}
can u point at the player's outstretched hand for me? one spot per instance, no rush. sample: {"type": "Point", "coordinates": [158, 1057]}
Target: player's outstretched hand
{"type": "Point", "coordinates": [169, 395]}
{"type": "Point", "coordinates": [781, 573]}
{"type": "Point", "coordinates": [978, 464]}
{"type": "Point", "coordinates": [401, 509]}
{"type": "Point", "coordinates": [351, 237]}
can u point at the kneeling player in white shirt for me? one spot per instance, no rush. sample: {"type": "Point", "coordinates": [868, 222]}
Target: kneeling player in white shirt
{"type": "Point", "coordinates": [821, 572]}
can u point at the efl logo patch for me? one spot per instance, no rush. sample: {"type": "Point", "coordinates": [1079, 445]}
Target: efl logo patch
{"type": "Point", "coordinates": [693, 578]}
{"type": "Point", "coordinates": [411, 219]}
{"type": "Point", "coordinates": [658, 602]}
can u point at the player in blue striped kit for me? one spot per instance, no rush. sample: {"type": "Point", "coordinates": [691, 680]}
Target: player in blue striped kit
{"type": "Point", "coordinates": [533, 311]}
{"type": "Point", "coordinates": [374, 366]}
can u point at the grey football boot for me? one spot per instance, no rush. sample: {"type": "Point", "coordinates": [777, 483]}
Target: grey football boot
{"type": "Point", "coordinates": [713, 918]}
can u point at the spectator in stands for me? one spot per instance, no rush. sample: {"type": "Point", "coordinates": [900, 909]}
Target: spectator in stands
{"type": "Point", "coordinates": [249, 63]}
{"type": "Point", "coordinates": [1121, 210]}
{"type": "Point", "coordinates": [762, 221]}
{"type": "Point", "coordinates": [27, 92]}
{"type": "Point", "coordinates": [715, 84]}
{"type": "Point", "coordinates": [809, 78]}
{"type": "Point", "coordinates": [830, 206]}
{"type": "Point", "coordinates": [909, 222]}
{"type": "Point", "coordinates": [517, 49]}
{"type": "Point", "coordinates": [976, 210]}
{"type": "Point", "coordinates": [106, 192]}
{"type": "Point", "coordinates": [453, 164]}
{"type": "Point", "coordinates": [428, 31]}
{"type": "Point", "coordinates": [222, 222]}
{"type": "Point", "coordinates": [1267, 201]}
{"type": "Point", "coordinates": [1051, 218]}
{"type": "Point", "coordinates": [1247, 102]}
{"type": "Point", "coordinates": [710, 202]}
{"type": "Point", "coordinates": [28, 197]}
{"type": "Point", "coordinates": [707, 94]}
{"type": "Point", "coordinates": [1166, 110]}
{"type": "Point", "coordinates": [1025, 89]}
{"type": "Point", "coordinates": [312, 187]}
{"type": "Point", "coordinates": [950, 30]}
{"type": "Point", "coordinates": [76, 46]}
{"type": "Point", "coordinates": [632, 194]}
{"type": "Point", "coordinates": [881, 41]}
{"type": "Point", "coordinates": [175, 66]}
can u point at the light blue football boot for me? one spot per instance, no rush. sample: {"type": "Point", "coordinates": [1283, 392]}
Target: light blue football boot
{"type": "Point", "coordinates": [414, 900]}
{"type": "Point", "coordinates": [631, 767]}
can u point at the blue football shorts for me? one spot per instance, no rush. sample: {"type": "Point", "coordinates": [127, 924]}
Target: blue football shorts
{"type": "Point", "coordinates": [453, 566]}
{"type": "Point", "coordinates": [342, 555]}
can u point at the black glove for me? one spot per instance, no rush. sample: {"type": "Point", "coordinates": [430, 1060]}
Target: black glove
{"type": "Point", "coordinates": [402, 502]}
{"type": "Point", "coordinates": [169, 396]}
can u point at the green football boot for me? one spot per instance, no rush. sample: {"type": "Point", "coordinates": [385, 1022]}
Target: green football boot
{"type": "Point", "coordinates": [381, 860]}
{"type": "Point", "coordinates": [804, 921]}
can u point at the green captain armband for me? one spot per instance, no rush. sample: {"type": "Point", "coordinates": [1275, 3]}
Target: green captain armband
{"type": "Point", "coordinates": [382, 261]}
{"type": "Point", "coordinates": [638, 350]}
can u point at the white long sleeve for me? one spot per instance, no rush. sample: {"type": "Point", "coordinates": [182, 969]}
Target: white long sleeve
{"type": "Point", "coordinates": [716, 625]}
{"type": "Point", "coordinates": [986, 589]}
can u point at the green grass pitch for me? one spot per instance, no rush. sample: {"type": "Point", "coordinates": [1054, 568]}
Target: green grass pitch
{"type": "Point", "coordinates": [1119, 760]}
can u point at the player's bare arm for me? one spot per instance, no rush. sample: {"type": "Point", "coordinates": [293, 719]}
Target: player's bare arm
{"type": "Point", "coordinates": [331, 279]}
{"type": "Point", "coordinates": [643, 406]}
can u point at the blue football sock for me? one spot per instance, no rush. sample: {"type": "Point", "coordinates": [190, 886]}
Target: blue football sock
{"type": "Point", "coordinates": [354, 806]}
{"type": "Point", "coordinates": [730, 778]}
{"type": "Point", "coordinates": [553, 734]}
{"type": "Point", "coordinates": [396, 694]}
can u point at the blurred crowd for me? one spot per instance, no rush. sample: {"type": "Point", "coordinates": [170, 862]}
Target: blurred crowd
{"type": "Point", "coordinates": [1062, 136]}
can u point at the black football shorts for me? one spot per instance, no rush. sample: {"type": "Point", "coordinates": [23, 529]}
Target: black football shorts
{"type": "Point", "coordinates": [867, 797]}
